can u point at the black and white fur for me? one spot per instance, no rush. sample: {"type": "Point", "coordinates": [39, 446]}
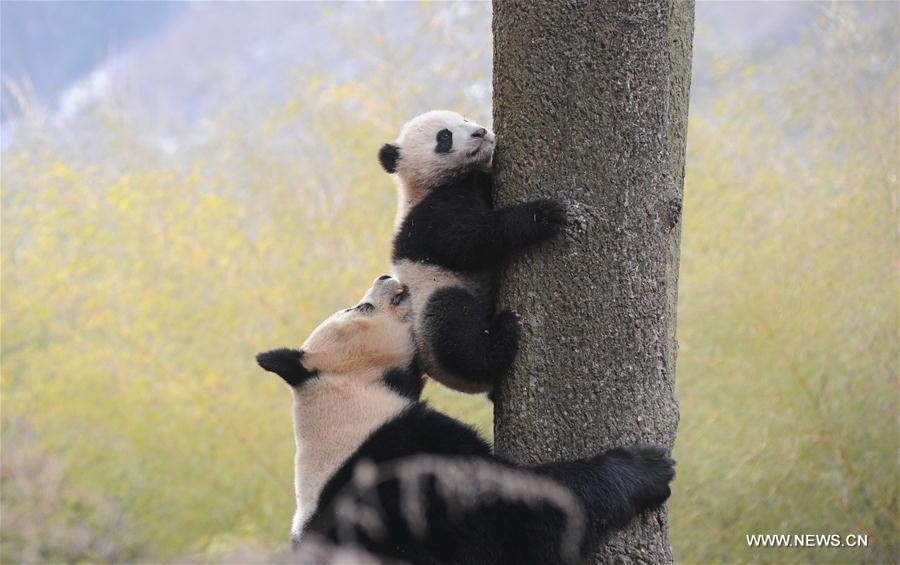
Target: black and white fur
{"type": "Point", "coordinates": [356, 371]}
{"type": "Point", "coordinates": [449, 242]}
{"type": "Point", "coordinates": [356, 409]}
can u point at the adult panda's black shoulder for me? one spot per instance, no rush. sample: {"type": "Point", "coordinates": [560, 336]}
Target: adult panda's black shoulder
{"type": "Point", "coordinates": [448, 242]}
{"type": "Point", "coordinates": [382, 474]}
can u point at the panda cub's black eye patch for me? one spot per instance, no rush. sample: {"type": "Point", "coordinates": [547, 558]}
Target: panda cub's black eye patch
{"type": "Point", "coordinates": [444, 141]}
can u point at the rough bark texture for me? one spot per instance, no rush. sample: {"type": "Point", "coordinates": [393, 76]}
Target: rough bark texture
{"type": "Point", "coordinates": [590, 106]}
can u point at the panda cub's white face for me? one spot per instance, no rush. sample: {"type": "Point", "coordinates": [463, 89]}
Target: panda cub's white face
{"type": "Point", "coordinates": [436, 145]}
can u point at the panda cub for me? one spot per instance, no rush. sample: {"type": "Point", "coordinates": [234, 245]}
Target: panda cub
{"type": "Point", "coordinates": [378, 473]}
{"type": "Point", "coordinates": [449, 242]}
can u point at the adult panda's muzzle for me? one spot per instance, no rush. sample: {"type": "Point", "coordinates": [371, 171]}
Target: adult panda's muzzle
{"type": "Point", "coordinates": [390, 288]}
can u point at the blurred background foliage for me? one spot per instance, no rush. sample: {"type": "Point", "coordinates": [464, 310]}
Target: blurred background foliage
{"type": "Point", "coordinates": [208, 188]}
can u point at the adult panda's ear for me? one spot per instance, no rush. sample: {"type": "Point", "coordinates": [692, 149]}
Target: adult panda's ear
{"type": "Point", "coordinates": [388, 155]}
{"type": "Point", "coordinates": [286, 364]}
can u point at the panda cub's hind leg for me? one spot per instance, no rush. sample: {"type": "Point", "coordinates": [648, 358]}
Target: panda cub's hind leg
{"type": "Point", "coordinates": [467, 340]}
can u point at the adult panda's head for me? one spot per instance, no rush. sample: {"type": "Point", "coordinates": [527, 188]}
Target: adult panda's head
{"type": "Point", "coordinates": [355, 372]}
{"type": "Point", "coordinates": [436, 146]}
{"type": "Point", "coordinates": [355, 346]}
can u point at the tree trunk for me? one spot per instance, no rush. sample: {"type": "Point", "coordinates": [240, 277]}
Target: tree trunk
{"type": "Point", "coordinates": [590, 106]}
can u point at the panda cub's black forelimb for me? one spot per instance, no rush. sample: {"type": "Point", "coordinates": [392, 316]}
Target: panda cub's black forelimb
{"type": "Point", "coordinates": [531, 223]}
{"type": "Point", "coordinates": [471, 239]}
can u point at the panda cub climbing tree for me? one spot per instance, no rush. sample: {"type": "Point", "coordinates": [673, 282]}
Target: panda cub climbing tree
{"type": "Point", "coordinates": [449, 242]}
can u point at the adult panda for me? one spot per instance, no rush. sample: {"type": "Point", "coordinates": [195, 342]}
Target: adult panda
{"type": "Point", "coordinates": [379, 473]}
{"type": "Point", "coordinates": [449, 242]}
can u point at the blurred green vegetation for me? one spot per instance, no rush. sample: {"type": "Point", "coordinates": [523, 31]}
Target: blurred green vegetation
{"type": "Point", "coordinates": [137, 289]}
{"type": "Point", "coordinates": [788, 310]}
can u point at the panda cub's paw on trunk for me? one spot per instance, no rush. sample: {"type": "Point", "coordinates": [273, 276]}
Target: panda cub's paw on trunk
{"type": "Point", "coordinates": [550, 215]}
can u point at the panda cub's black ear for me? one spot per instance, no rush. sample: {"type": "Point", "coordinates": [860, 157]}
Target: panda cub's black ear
{"type": "Point", "coordinates": [388, 155]}
{"type": "Point", "coordinates": [286, 364]}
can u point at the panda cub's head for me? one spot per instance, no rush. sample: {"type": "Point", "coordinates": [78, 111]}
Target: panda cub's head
{"type": "Point", "coordinates": [436, 146]}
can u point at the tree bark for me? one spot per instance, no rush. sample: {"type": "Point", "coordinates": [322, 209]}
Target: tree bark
{"type": "Point", "coordinates": [590, 106]}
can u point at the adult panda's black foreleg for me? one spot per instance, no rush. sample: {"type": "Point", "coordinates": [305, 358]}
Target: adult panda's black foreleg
{"type": "Point", "coordinates": [467, 340]}
{"type": "Point", "coordinates": [617, 485]}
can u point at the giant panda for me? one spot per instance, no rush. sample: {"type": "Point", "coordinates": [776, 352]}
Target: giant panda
{"type": "Point", "coordinates": [449, 242]}
{"type": "Point", "coordinates": [357, 417]}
